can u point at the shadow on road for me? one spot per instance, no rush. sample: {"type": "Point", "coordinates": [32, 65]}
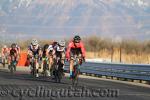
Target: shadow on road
{"type": "Point", "coordinates": [25, 76]}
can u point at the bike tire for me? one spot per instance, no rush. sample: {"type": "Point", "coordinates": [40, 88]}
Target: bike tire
{"type": "Point", "coordinates": [75, 79]}
{"type": "Point", "coordinates": [11, 69]}
{"type": "Point", "coordinates": [3, 63]}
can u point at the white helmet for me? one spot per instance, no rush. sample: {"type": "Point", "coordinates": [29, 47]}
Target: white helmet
{"type": "Point", "coordinates": [62, 43]}
{"type": "Point", "coordinates": [5, 46]}
{"type": "Point", "coordinates": [34, 42]}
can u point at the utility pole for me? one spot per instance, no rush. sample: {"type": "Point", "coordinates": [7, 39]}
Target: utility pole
{"type": "Point", "coordinates": [120, 53]}
{"type": "Point", "coordinates": [112, 53]}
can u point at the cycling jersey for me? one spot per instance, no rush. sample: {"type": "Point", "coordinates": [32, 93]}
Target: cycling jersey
{"type": "Point", "coordinates": [51, 50]}
{"type": "Point", "coordinates": [75, 48]}
{"type": "Point", "coordinates": [44, 54]}
{"type": "Point", "coordinates": [60, 49]}
{"type": "Point", "coordinates": [13, 52]}
{"type": "Point", "coordinates": [35, 50]}
{"type": "Point", "coordinates": [4, 51]}
{"type": "Point", "coordinates": [60, 52]}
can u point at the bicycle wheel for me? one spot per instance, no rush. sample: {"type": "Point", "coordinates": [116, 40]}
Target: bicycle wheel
{"type": "Point", "coordinates": [59, 72]}
{"type": "Point", "coordinates": [44, 69]}
{"type": "Point", "coordinates": [3, 63]}
{"type": "Point", "coordinates": [56, 74]}
{"type": "Point", "coordinates": [11, 69]}
{"type": "Point", "coordinates": [74, 78]}
{"type": "Point", "coordinates": [33, 72]}
{"type": "Point", "coordinates": [77, 76]}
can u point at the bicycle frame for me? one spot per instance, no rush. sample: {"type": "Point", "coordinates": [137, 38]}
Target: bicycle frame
{"type": "Point", "coordinates": [33, 65]}
{"type": "Point", "coordinates": [46, 69]}
{"type": "Point", "coordinates": [13, 64]}
{"type": "Point", "coordinates": [57, 70]}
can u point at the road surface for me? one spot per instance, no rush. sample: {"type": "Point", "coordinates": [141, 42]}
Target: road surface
{"type": "Point", "coordinates": [21, 86]}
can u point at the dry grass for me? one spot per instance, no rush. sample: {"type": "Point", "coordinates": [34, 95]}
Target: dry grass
{"type": "Point", "coordinates": [96, 47]}
{"type": "Point", "coordinates": [126, 58]}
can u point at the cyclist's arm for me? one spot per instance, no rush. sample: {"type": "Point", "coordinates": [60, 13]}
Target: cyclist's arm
{"type": "Point", "coordinates": [29, 52]}
{"type": "Point", "coordinates": [83, 50]}
{"type": "Point", "coordinates": [9, 51]}
{"type": "Point", "coordinates": [47, 53]}
{"type": "Point", "coordinates": [40, 52]}
{"type": "Point", "coordinates": [19, 50]}
{"type": "Point", "coordinates": [16, 53]}
{"type": "Point", "coordinates": [68, 52]}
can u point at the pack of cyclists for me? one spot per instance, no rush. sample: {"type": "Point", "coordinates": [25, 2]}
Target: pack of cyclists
{"type": "Point", "coordinates": [50, 55]}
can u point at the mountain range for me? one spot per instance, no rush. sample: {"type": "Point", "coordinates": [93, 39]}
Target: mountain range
{"type": "Point", "coordinates": [55, 19]}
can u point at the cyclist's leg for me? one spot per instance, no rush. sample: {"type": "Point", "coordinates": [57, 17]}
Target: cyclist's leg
{"type": "Point", "coordinates": [71, 67]}
{"type": "Point", "coordinates": [80, 58]}
{"type": "Point", "coordinates": [37, 67]}
{"type": "Point", "coordinates": [40, 63]}
{"type": "Point", "coordinates": [72, 54]}
{"type": "Point", "coordinates": [51, 61]}
{"type": "Point", "coordinates": [30, 63]}
{"type": "Point", "coordinates": [16, 59]}
{"type": "Point", "coordinates": [9, 61]}
{"type": "Point", "coordinates": [6, 58]}
{"type": "Point", "coordinates": [3, 59]}
{"type": "Point", "coordinates": [63, 61]}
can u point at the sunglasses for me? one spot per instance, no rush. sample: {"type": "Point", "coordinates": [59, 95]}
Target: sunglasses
{"type": "Point", "coordinates": [76, 41]}
{"type": "Point", "coordinates": [34, 45]}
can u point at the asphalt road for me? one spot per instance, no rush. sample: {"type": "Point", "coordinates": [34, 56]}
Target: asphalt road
{"type": "Point", "coordinates": [21, 86]}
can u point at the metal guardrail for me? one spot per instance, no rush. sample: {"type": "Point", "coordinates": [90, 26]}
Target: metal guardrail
{"type": "Point", "coordinates": [127, 71]}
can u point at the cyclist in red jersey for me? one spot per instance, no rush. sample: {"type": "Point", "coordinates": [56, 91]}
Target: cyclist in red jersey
{"type": "Point", "coordinates": [75, 47]}
{"type": "Point", "coordinates": [4, 54]}
{"type": "Point", "coordinates": [13, 53]}
{"type": "Point", "coordinates": [4, 51]}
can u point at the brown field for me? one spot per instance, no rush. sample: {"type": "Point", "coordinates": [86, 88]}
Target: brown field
{"type": "Point", "coordinates": [125, 58]}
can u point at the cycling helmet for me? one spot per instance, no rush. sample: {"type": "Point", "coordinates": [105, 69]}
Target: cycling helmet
{"type": "Point", "coordinates": [46, 46]}
{"type": "Point", "coordinates": [77, 39]}
{"type": "Point", "coordinates": [5, 46]}
{"type": "Point", "coordinates": [62, 43]}
{"type": "Point", "coordinates": [34, 42]}
{"type": "Point", "coordinates": [13, 45]}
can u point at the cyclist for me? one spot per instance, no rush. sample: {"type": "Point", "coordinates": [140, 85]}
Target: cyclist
{"type": "Point", "coordinates": [75, 47]}
{"type": "Point", "coordinates": [13, 53]}
{"type": "Point", "coordinates": [4, 53]}
{"type": "Point", "coordinates": [60, 52]}
{"type": "Point", "coordinates": [51, 54]}
{"type": "Point", "coordinates": [45, 56]}
{"type": "Point", "coordinates": [34, 51]}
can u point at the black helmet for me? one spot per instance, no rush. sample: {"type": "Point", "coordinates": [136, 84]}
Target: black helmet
{"type": "Point", "coordinates": [13, 45]}
{"type": "Point", "coordinates": [54, 43]}
{"type": "Point", "coordinates": [77, 39]}
{"type": "Point", "coordinates": [46, 46]}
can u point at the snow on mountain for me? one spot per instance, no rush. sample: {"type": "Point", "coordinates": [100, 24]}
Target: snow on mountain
{"type": "Point", "coordinates": [113, 18]}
